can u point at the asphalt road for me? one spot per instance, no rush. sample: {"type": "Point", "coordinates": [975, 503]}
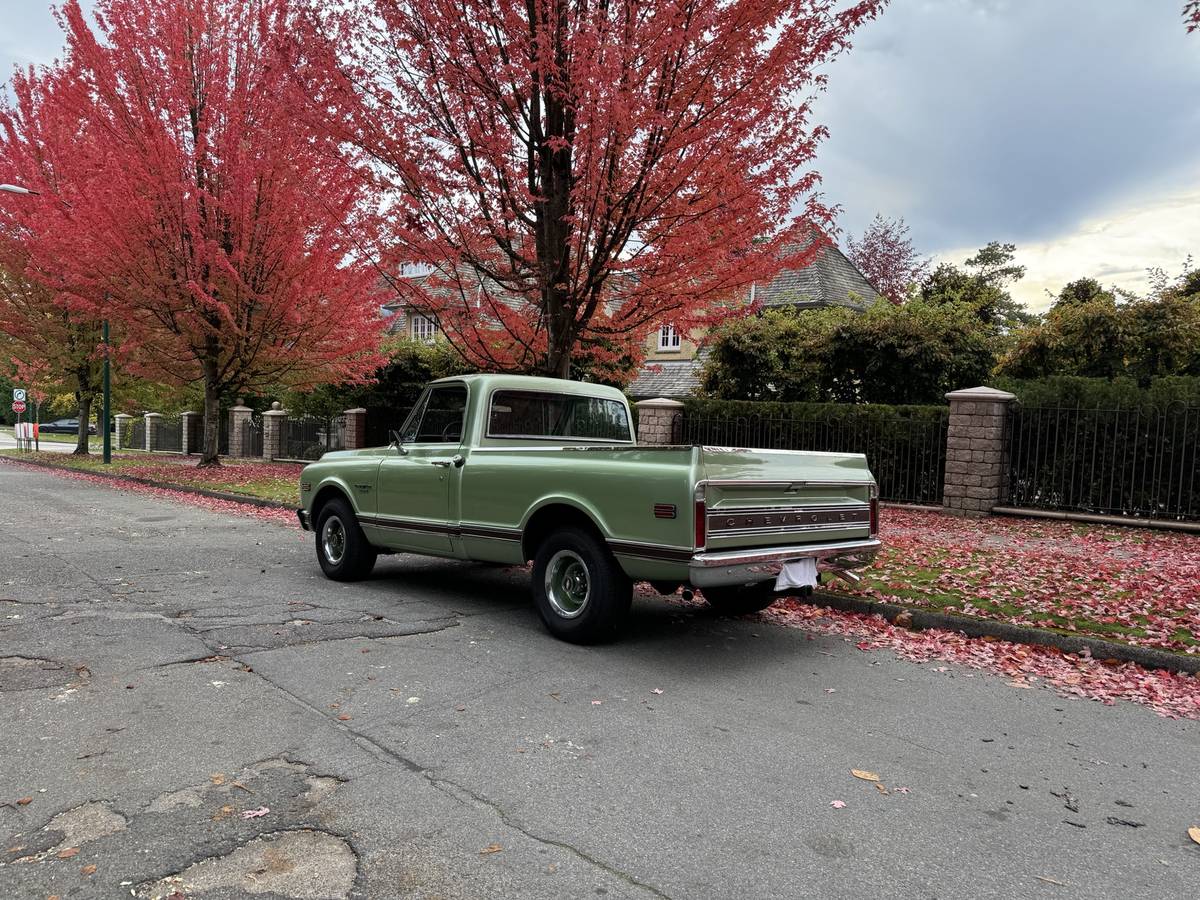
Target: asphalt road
{"type": "Point", "coordinates": [8, 442]}
{"type": "Point", "coordinates": [166, 671]}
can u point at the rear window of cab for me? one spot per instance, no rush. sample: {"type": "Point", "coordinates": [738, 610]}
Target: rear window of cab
{"type": "Point", "coordinates": [544, 416]}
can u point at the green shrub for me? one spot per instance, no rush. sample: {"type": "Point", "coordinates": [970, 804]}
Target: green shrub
{"type": "Point", "coordinates": [1101, 393]}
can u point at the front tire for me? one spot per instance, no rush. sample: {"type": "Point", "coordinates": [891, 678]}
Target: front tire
{"type": "Point", "coordinates": [581, 593]}
{"type": "Point", "coordinates": [741, 600]}
{"type": "Point", "coordinates": [342, 548]}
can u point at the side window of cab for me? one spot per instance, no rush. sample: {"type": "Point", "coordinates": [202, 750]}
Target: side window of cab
{"type": "Point", "coordinates": [438, 416]}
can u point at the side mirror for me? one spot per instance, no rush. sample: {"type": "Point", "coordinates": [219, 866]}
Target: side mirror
{"type": "Point", "coordinates": [397, 443]}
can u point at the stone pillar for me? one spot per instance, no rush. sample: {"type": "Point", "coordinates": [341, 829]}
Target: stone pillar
{"type": "Point", "coordinates": [356, 428]}
{"type": "Point", "coordinates": [976, 454]}
{"type": "Point", "coordinates": [237, 415]}
{"type": "Point", "coordinates": [153, 420]}
{"type": "Point", "coordinates": [656, 420]}
{"type": "Point", "coordinates": [274, 426]}
{"type": "Point", "coordinates": [187, 421]}
{"type": "Point", "coordinates": [124, 421]}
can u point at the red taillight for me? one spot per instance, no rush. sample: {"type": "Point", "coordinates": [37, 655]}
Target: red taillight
{"type": "Point", "coordinates": [700, 514]}
{"type": "Point", "coordinates": [874, 515]}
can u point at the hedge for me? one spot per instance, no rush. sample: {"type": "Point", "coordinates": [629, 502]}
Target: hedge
{"type": "Point", "coordinates": [1071, 391]}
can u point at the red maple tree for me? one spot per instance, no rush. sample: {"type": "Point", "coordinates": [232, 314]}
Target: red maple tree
{"type": "Point", "coordinates": [1191, 15]}
{"type": "Point", "coordinates": [224, 234]}
{"type": "Point", "coordinates": [50, 320]}
{"type": "Point", "coordinates": [886, 256]}
{"type": "Point", "coordinates": [574, 174]}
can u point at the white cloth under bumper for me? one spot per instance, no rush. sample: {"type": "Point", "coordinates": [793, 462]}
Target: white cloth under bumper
{"type": "Point", "coordinates": [798, 573]}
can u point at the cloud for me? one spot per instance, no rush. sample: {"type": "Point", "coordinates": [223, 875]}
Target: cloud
{"type": "Point", "coordinates": [1017, 121]}
{"type": "Point", "coordinates": [1116, 247]}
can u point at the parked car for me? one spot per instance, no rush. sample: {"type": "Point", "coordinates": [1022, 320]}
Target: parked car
{"type": "Point", "coordinates": [63, 426]}
{"type": "Point", "coordinates": [512, 469]}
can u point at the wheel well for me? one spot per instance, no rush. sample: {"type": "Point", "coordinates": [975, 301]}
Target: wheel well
{"type": "Point", "coordinates": [550, 519]}
{"type": "Point", "coordinates": [327, 493]}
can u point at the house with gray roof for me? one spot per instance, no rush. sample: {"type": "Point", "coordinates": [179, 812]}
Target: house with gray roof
{"type": "Point", "coordinates": [674, 361]}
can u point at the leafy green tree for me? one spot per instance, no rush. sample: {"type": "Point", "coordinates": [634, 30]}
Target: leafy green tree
{"type": "Point", "coordinates": [1090, 333]}
{"type": "Point", "coordinates": [908, 354]}
{"type": "Point", "coordinates": [994, 264]}
{"type": "Point", "coordinates": [913, 353]}
{"type": "Point", "coordinates": [1084, 290]}
{"type": "Point", "coordinates": [782, 354]}
{"type": "Point", "coordinates": [391, 392]}
{"type": "Point", "coordinates": [1164, 337]}
{"type": "Point", "coordinates": [982, 286]}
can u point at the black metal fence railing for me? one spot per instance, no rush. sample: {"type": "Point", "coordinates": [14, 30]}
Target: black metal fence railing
{"type": "Point", "coordinates": [134, 437]}
{"type": "Point", "coordinates": [252, 437]}
{"type": "Point", "coordinates": [906, 455]}
{"type": "Point", "coordinates": [1124, 462]}
{"type": "Point", "coordinates": [169, 435]}
{"type": "Point", "coordinates": [195, 438]}
{"type": "Point", "coordinates": [310, 437]}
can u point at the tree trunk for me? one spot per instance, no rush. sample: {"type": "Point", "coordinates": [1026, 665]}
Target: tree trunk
{"type": "Point", "coordinates": [553, 138]}
{"type": "Point", "coordinates": [85, 415]}
{"type": "Point", "coordinates": [210, 451]}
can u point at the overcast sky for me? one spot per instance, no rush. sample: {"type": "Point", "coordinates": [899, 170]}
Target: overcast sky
{"type": "Point", "coordinates": [1070, 128]}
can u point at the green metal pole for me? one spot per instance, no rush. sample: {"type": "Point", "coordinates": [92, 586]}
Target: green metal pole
{"type": "Point", "coordinates": [106, 411]}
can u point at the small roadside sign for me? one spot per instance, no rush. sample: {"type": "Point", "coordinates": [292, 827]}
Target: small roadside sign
{"type": "Point", "coordinates": [18, 395]}
{"type": "Point", "coordinates": [18, 406]}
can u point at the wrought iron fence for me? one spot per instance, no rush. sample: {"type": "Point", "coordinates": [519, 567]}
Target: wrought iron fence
{"type": "Point", "coordinates": [195, 438]}
{"type": "Point", "coordinates": [169, 434]}
{"type": "Point", "coordinates": [906, 455]}
{"type": "Point", "coordinates": [1127, 462]}
{"type": "Point", "coordinates": [134, 437]}
{"type": "Point", "coordinates": [309, 437]}
{"type": "Point", "coordinates": [252, 437]}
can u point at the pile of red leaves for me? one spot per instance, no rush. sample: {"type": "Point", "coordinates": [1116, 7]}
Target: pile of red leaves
{"type": "Point", "coordinates": [228, 473]}
{"type": "Point", "coordinates": [1168, 693]}
{"type": "Point", "coordinates": [1136, 585]}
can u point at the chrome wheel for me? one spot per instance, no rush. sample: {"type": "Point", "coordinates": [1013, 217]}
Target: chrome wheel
{"type": "Point", "coordinates": [333, 540]}
{"type": "Point", "coordinates": [567, 584]}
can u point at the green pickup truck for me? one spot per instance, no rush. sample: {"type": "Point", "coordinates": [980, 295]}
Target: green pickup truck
{"type": "Point", "coordinates": [509, 469]}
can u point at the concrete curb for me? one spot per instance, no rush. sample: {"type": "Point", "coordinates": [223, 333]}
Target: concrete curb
{"type": "Point", "coordinates": [165, 485]}
{"type": "Point", "coordinates": [1099, 648]}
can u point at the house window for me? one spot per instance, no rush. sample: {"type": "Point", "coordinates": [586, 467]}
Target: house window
{"type": "Point", "coordinates": [668, 338]}
{"type": "Point", "coordinates": [422, 328]}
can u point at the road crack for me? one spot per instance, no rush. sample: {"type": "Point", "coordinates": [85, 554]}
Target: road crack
{"type": "Point", "coordinates": [462, 795]}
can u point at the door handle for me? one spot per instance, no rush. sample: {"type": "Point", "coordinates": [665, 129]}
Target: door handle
{"type": "Point", "coordinates": [456, 460]}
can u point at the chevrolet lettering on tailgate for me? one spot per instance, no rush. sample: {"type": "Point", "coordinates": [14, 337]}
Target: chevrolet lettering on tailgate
{"type": "Point", "coordinates": [510, 469]}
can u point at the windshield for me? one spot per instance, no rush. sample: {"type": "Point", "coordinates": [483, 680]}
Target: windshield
{"type": "Point", "coordinates": [438, 416]}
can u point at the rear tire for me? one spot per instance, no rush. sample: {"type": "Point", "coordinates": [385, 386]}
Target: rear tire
{"type": "Point", "coordinates": [580, 591]}
{"type": "Point", "coordinates": [741, 600]}
{"type": "Point", "coordinates": [342, 549]}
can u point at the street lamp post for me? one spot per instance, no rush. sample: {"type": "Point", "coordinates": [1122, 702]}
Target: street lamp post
{"type": "Point", "coordinates": [105, 410]}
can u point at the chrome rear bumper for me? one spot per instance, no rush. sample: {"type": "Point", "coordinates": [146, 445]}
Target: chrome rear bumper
{"type": "Point", "coordinates": [733, 567]}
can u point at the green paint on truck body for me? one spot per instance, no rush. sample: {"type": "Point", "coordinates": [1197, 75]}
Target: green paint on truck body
{"type": "Point", "coordinates": [482, 497]}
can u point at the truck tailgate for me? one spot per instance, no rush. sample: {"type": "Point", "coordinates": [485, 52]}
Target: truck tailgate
{"type": "Point", "coordinates": [773, 498]}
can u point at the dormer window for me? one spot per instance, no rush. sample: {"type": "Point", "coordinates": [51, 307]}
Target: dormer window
{"type": "Point", "coordinates": [668, 338]}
